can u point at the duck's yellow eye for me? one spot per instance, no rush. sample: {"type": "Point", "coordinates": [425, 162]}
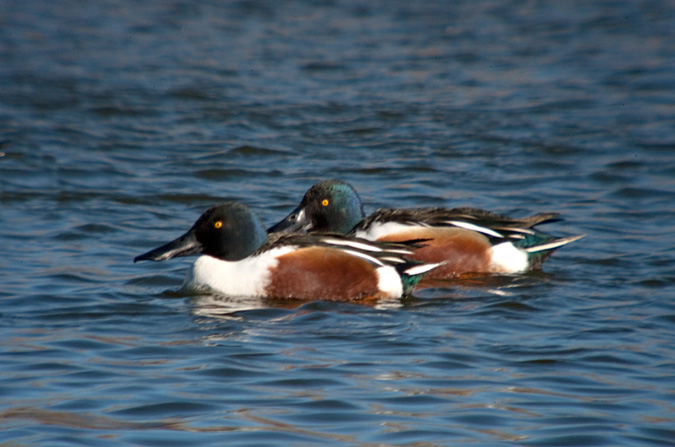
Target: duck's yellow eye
{"type": "Point", "coordinates": [325, 202]}
{"type": "Point", "coordinates": [218, 224]}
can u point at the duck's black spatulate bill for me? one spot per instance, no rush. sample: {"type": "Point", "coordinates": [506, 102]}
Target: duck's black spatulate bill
{"type": "Point", "coordinates": [185, 245]}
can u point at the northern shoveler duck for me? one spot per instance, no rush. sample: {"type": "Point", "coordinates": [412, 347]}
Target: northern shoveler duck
{"type": "Point", "coordinates": [239, 259]}
{"type": "Point", "coordinates": [465, 240]}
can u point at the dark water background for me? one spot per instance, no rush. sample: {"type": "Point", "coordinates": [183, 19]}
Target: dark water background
{"type": "Point", "coordinates": [124, 120]}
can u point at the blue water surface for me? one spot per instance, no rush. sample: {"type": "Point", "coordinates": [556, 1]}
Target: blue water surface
{"type": "Point", "coordinates": [121, 121]}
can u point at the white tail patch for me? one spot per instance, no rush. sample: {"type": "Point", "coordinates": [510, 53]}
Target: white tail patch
{"type": "Point", "coordinates": [553, 244]}
{"type": "Point", "coordinates": [472, 227]}
{"type": "Point", "coordinates": [507, 258]}
{"type": "Point", "coordinates": [389, 281]}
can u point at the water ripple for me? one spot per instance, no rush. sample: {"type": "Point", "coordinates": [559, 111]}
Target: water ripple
{"type": "Point", "coordinates": [120, 124]}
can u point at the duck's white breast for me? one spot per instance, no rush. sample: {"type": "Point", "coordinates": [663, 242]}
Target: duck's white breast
{"type": "Point", "coordinates": [248, 277]}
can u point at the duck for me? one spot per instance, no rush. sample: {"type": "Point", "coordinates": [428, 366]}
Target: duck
{"type": "Point", "coordinates": [237, 257]}
{"type": "Point", "coordinates": [464, 241]}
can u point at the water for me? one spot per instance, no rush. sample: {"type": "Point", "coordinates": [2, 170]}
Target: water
{"type": "Point", "coordinates": [122, 122]}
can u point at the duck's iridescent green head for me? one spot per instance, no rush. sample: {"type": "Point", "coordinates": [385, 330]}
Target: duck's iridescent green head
{"type": "Point", "coordinates": [230, 231]}
{"type": "Point", "coordinates": [328, 206]}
